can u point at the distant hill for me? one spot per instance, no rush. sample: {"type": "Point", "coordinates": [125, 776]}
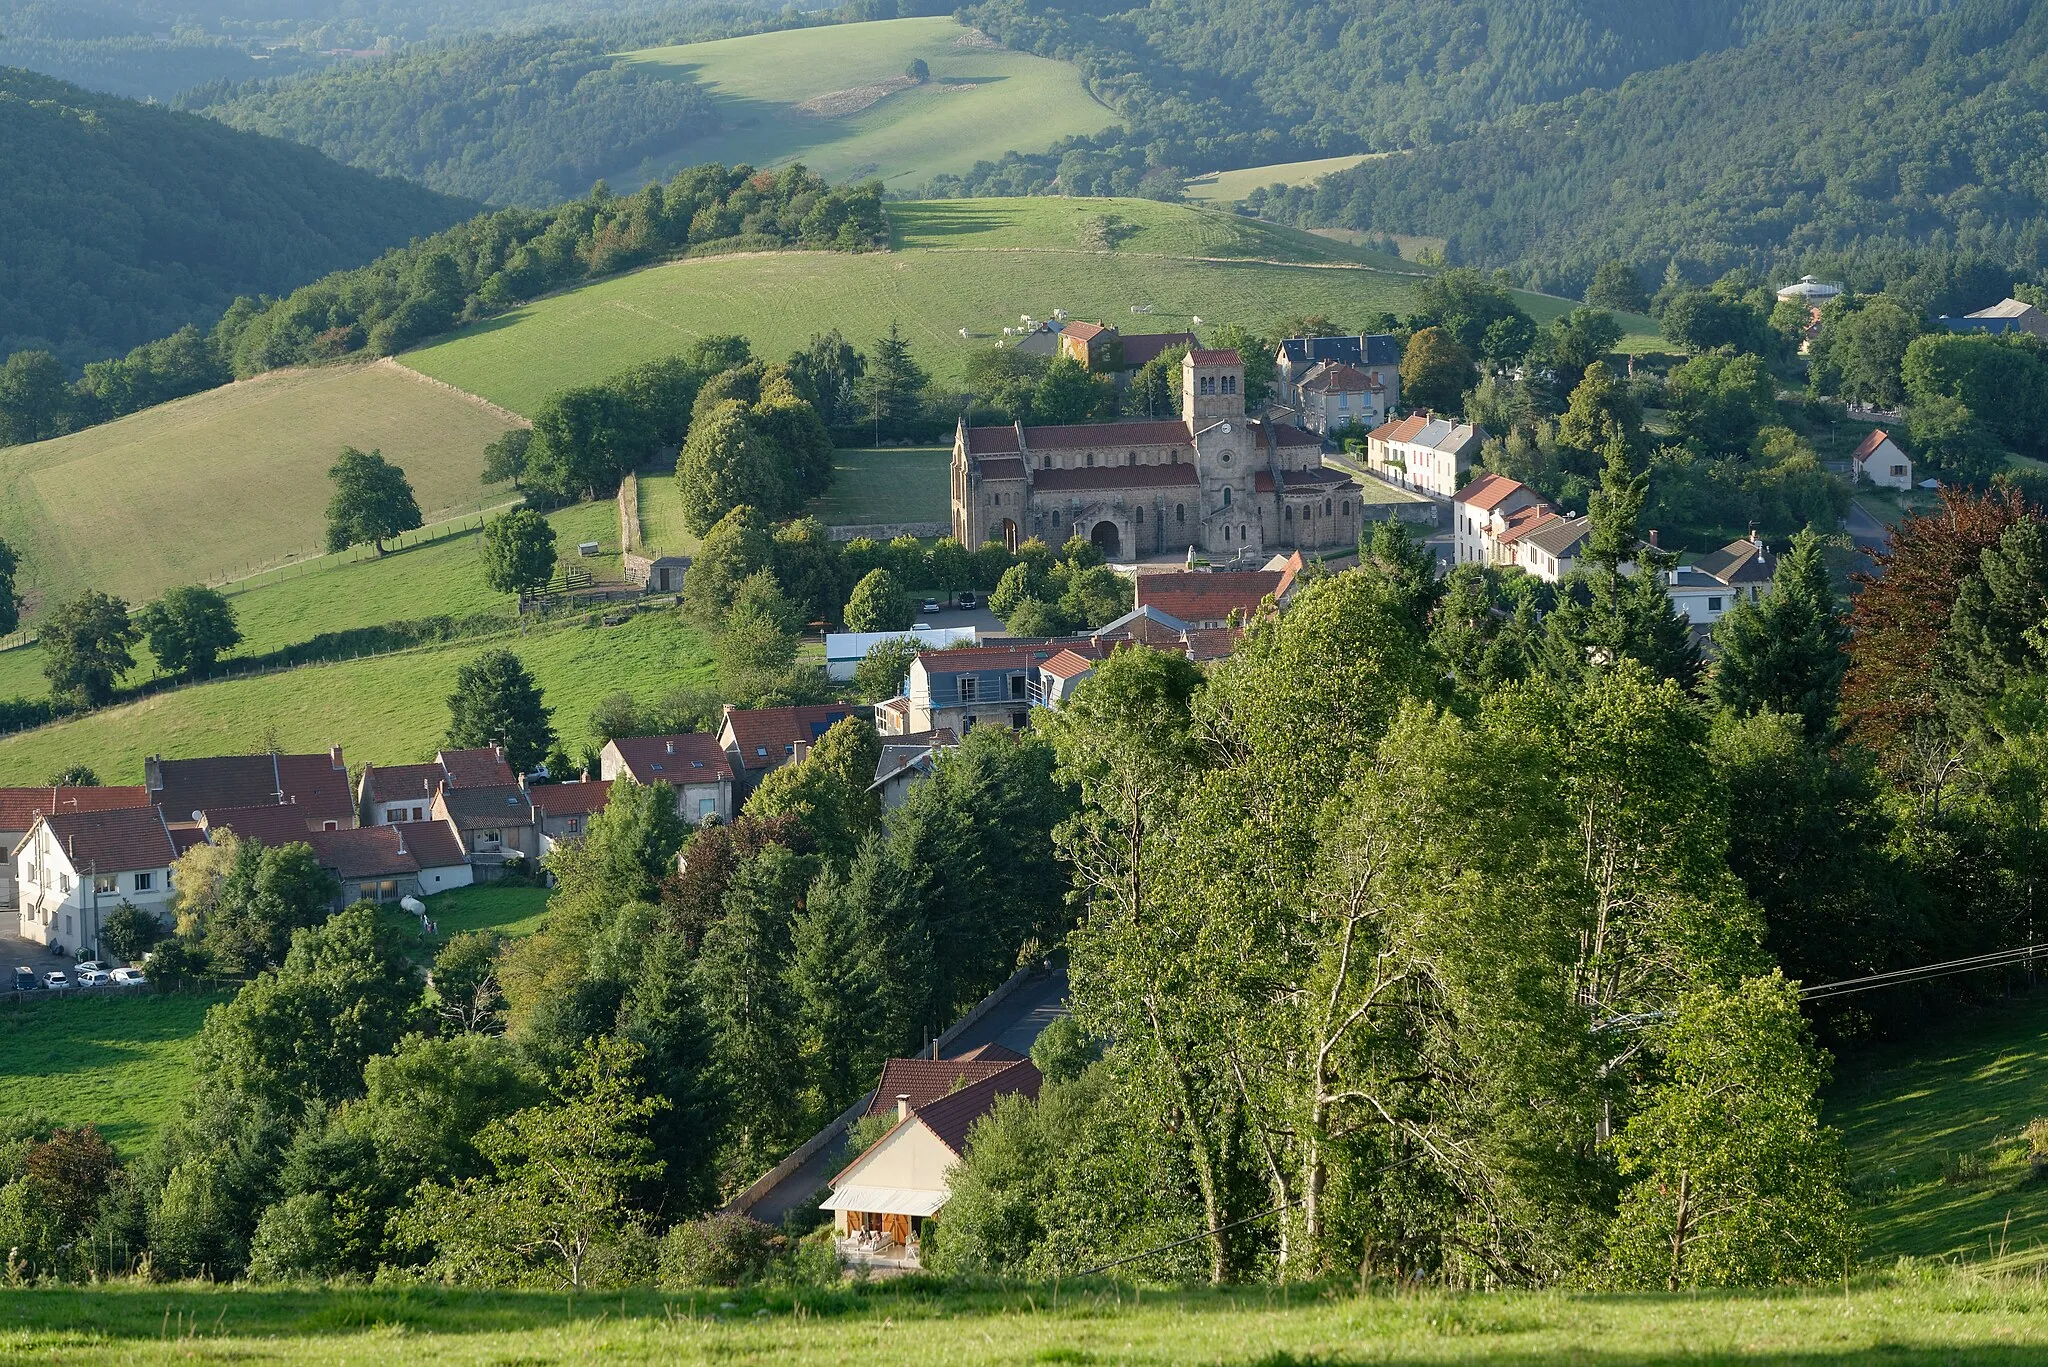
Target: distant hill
{"type": "Point", "coordinates": [1894, 155]}
{"type": "Point", "coordinates": [121, 222]}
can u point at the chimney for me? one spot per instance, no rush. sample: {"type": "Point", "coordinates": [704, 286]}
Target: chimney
{"type": "Point", "coordinates": [903, 1105]}
{"type": "Point", "coordinates": [1754, 540]}
{"type": "Point", "coordinates": [334, 758]}
{"type": "Point", "coordinates": [399, 831]}
{"type": "Point", "coordinates": [669, 746]}
{"type": "Point", "coordinates": [1653, 537]}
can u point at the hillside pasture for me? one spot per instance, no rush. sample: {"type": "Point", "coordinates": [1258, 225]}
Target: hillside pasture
{"type": "Point", "coordinates": [1000, 259]}
{"type": "Point", "coordinates": [229, 480]}
{"type": "Point", "coordinates": [392, 709]}
{"type": "Point", "coordinates": [1228, 187]}
{"type": "Point", "coordinates": [836, 99]}
{"type": "Point", "coordinates": [119, 1060]}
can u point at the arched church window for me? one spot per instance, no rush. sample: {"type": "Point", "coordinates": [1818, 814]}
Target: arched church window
{"type": "Point", "coordinates": [1226, 495]}
{"type": "Point", "coordinates": [1226, 531]}
{"type": "Point", "coordinates": [1180, 513]}
{"type": "Point", "coordinates": [1091, 460]}
{"type": "Point", "coordinates": [1290, 514]}
{"type": "Point", "coordinates": [1140, 517]}
{"type": "Point", "coordinates": [1326, 507]}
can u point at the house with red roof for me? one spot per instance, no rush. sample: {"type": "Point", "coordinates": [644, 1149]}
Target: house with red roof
{"type": "Point", "coordinates": [1879, 461]}
{"type": "Point", "coordinates": [75, 866]}
{"type": "Point", "coordinates": [564, 811]}
{"type": "Point", "coordinates": [758, 739]}
{"type": "Point", "coordinates": [1428, 454]}
{"type": "Point", "coordinates": [957, 690]}
{"type": "Point", "coordinates": [884, 1199]}
{"type": "Point", "coordinates": [696, 765]}
{"type": "Point", "coordinates": [1502, 522]}
{"type": "Point", "coordinates": [316, 786]}
{"type": "Point", "coordinates": [405, 792]}
{"type": "Point", "coordinates": [19, 808]}
{"type": "Point", "coordinates": [1209, 598]}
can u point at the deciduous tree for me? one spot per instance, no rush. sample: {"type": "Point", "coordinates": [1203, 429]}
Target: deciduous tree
{"type": "Point", "coordinates": [85, 647]}
{"type": "Point", "coordinates": [372, 501]}
{"type": "Point", "coordinates": [518, 552]}
{"type": "Point", "coordinates": [189, 628]}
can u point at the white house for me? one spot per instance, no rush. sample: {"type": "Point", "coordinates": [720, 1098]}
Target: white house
{"type": "Point", "coordinates": [1880, 461]}
{"type": "Point", "coordinates": [1424, 453]}
{"type": "Point", "coordinates": [1485, 509]}
{"type": "Point", "coordinates": [1708, 589]}
{"type": "Point", "coordinates": [1552, 549]}
{"type": "Point", "coordinates": [1332, 397]}
{"type": "Point", "coordinates": [73, 868]}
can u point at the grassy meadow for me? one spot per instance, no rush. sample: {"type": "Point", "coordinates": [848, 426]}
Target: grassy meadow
{"type": "Point", "coordinates": [903, 484]}
{"type": "Point", "coordinates": [1936, 1135]}
{"type": "Point", "coordinates": [391, 709]}
{"type": "Point", "coordinates": [963, 264]}
{"type": "Point", "coordinates": [836, 99]}
{"type": "Point", "coordinates": [1938, 1321]}
{"type": "Point", "coordinates": [1228, 187]}
{"type": "Point", "coordinates": [229, 480]}
{"type": "Point", "coordinates": [661, 514]}
{"type": "Point", "coordinates": [120, 1060]}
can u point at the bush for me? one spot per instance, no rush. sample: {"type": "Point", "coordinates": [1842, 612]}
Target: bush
{"type": "Point", "coordinates": [718, 1250]}
{"type": "Point", "coordinates": [295, 1240]}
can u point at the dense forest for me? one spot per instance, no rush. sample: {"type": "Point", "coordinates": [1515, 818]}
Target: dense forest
{"type": "Point", "coordinates": [122, 222]}
{"type": "Point", "coordinates": [528, 120]}
{"type": "Point", "coordinates": [1867, 154]}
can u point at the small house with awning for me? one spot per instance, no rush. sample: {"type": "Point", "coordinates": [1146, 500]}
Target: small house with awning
{"type": "Point", "coordinates": [883, 1200]}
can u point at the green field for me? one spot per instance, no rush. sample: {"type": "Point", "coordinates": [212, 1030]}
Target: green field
{"type": "Point", "coordinates": [507, 910]}
{"type": "Point", "coordinates": [836, 98]}
{"type": "Point", "coordinates": [896, 485]}
{"type": "Point", "coordinates": [118, 1060]}
{"type": "Point", "coordinates": [391, 709]}
{"type": "Point", "coordinates": [661, 514]}
{"type": "Point", "coordinates": [1935, 1131]}
{"type": "Point", "coordinates": [1228, 187]}
{"type": "Point", "coordinates": [1941, 1321]}
{"type": "Point", "coordinates": [229, 480]}
{"type": "Point", "coordinates": [358, 589]}
{"type": "Point", "coordinates": [965, 264]}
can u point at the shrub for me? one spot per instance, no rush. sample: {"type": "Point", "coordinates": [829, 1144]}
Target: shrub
{"type": "Point", "coordinates": [295, 1239]}
{"type": "Point", "coordinates": [718, 1250]}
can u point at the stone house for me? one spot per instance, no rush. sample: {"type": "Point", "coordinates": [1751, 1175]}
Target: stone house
{"type": "Point", "coordinates": [694, 764]}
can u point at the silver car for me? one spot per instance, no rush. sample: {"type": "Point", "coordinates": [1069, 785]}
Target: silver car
{"type": "Point", "coordinates": [128, 977]}
{"type": "Point", "coordinates": [55, 981]}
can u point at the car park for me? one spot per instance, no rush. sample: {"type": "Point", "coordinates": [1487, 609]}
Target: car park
{"type": "Point", "coordinates": [128, 977]}
{"type": "Point", "coordinates": [93, 977]}
{"type": "Point", "coordinates": [25, 979]}
{"type": "Point", "coordinates": [55, 981]}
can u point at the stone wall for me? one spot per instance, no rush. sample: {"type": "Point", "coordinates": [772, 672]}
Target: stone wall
{"type": "Point", "coordinates": [889, 531]}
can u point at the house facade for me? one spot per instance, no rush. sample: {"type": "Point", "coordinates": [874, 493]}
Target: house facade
{"type": "Point", "coordinates": [1332, 397]}
{"type": "Point", "coordinates": [1376, 355]}
{"type": "Point", "coordinates": [72, 868]}
{"type": "Point", "coordinates": [405, 792]}
{"type": "Point", "coordinates": [1429, 455]}
{"type": "Point", "coordinates": [1504, 523]}
{"type": "Point", "coordinates": [493, 823]}
{"type": "Point", "coordinates": [905, 760]}
{"type": "Point", "coordinates": [958, 690]}
{"type": "Point", "coordinates": [759, 739]}
{"type": "Point", "coordinates": [1879, 461]}
{"type": "Point", "coordinates": [563, 811]}
{"type": "Point", "coordinates": [19, 808]}
{"type": "Point", "coordinates": [1214, 480]}
{"type": "Point", "coordinates": [695, 765]}
{"type": "Point", "coordinates": [1708, 589]}
{"type": "Point", "coordinates": [398, 859]}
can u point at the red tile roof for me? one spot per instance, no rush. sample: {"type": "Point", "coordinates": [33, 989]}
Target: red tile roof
{"type": "Point", "coordinates": [401, 782]}
{"type": "Point", "coordinates": [319, 784]}
{"type": "Point", "coordinates": [1878, 437]}
{"type": "Point", "coordinates": [19, 807]}
{"type": "Point", "coordinates": [113, 841]}
{"type": "Point", "coordinates": [1212, 643]}
{"type": "Point", "coordinates": [970, 659]}
{"type": "Point", "coordinates": [953, 1115]}
{"type": "Point", "coordinates": [1195, 596]}
{"type": "Point", "coordinates": [1489, 491]}
{"type": "Point", "coordinates": [1522, 521]}
{"type": "Point", "coordinates": [1401, 429]}
{"type": "Point", "coordinates": [1212, 357]}
{"type": "Point", "coordinates": [484, 767]}
{"type": "Point", "coordinates": [1287, 434]}
{"type": "Point", "coordinates": [925, 1080]}
{"type": "Point", "coordinates": [272, 823]}
{"type": "Point", "coordinates": [1107, 435]}
{"type": "Point", "coordinates": [1181, 476]}
{"type": "Point", "coordinates": [433, 844]}
{"type": "Point", "coordinates": [1330, 378]}
{"type": "Point", "coordinates": [1002, 467]}
{"type": "Point", "coordinates": [992, 440]}
{"type": "Point", "coordinates": [1086, 332]}
{"type": "Point", "coordinates": [766, 736]}
{"type": "Point", "coordinates": [484, 809]}
{"type": "Point", "coordinates": [1066, 665]}
{"type": "Point", "coordinates": [688, 757]}
{"type": "Point", "coordinates": [581, 799]}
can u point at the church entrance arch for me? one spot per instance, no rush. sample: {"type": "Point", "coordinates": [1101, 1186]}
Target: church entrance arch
{"type": "Point", "coordinates": [1106, 538]}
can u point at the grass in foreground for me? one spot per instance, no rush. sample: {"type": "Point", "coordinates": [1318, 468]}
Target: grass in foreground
{"type": "Point", "coordinates": [1228, 187]}
{"type": "Point", "coordinates": [1947, 1320]}
{"type": "Point", "coordinates": [899, 485]}
{"type": "Point", "coordinates": [835, 98]}
{"type": "Point", "coordinates": [230, 479]}
{"type": "Point", "coordinates": [392, 709]}
{"type": "Point", "coordinates": [1000, 259]}
{"type": "Point", "coordinates": [1936, 1143]}
{"type": "Point", "coordinates": [119, 1060]}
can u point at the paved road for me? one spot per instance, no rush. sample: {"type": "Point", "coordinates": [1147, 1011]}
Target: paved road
{"type": "Point", "coordinates": [1015, 1023]}
{"type": "Point", "coordinates": [1866, 531]}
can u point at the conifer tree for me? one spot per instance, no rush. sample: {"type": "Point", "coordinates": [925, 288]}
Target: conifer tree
{"type": "Point", "coordinates": [1786, 653]}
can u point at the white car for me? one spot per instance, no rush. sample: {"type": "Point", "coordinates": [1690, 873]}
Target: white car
{"type": "Point", "coordinates": [90, 966]}
{"type": "Point", "coordinates": [93, 977]}
{"type": "Point", "coordinates": [127, 977]}
{"type": "Point", "coordinates": [920, 626]}
{"type": "Point", "coordinates": [931, 605]}
{"type": "Point", "coordinates": [55, 981]}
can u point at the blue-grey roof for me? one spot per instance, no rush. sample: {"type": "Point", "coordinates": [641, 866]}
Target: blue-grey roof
{"type": "Point", "coordinates": [1372, 349]}
{"type": "Point", "coordinates": [1993, 326]}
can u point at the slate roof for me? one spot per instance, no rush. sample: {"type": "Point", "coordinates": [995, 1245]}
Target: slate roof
{"type": "Point", "coordinates": [916, 750]}
{"type": "Point", "coordinates": [1143, 347]}
{"type": "Point", "coordinates": [474, 809]}
{"type": "Point", "coordinates": [19, 807]}
{"type": "Point", "coordinates": [1197, 596]}
{"type": "Point", "coordinates": [1559, 535]}
{"type": "Point", "coordinates": [113, 841]}
{"type": "Point", "coordinates": [689, 757]}
{"type": "Point", "coordinates": [579, 799]}
{"type": "Point", "coordinates": [765, 736]}
{"type": "Point", "coordinates": [1375, 349]}
{"type": "Point", "coordinates": [1179, 476]}
{"type": "Point", "coordinates": [1738, 562]}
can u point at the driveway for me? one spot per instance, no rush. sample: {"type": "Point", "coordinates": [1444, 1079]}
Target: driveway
{"type": "Point", "coordinates": [15, 951]}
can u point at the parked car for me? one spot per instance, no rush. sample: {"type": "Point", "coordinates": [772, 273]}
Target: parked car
{"type": "Point", "coordinates": [128, 977]}
{"type": "Point", "coordinates": [931, 605]}
{"type": "Point", "coordinates": [91, 965]}
{"type": "Point", "coordinates": [968, 602]}
{"type": "Point", "coordinates": [56, 981]}
{"type": "Point", "coordinates": [93, 977]}
{"type": "Point", "coordinates": [920, 626]}
{"type": "Point", "coordinates": [25, 979]}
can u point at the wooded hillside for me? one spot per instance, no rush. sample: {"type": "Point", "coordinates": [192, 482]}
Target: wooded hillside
{"type": "Point", "coordinates": [121, 222]}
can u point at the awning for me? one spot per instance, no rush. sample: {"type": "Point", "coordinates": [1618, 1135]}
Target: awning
{"type": "Point", "coordinates": [886, 1200]}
